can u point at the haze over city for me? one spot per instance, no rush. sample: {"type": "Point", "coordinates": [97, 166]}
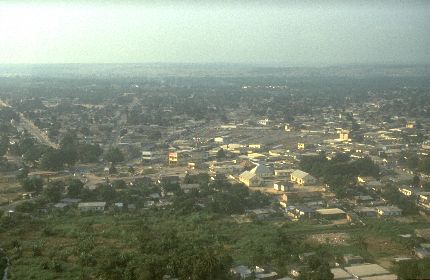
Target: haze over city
{"type": "Point", "coordinates": [252, 32]}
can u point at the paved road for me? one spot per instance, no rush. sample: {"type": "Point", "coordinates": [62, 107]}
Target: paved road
{"type": "Point", "coordinates": [36, 132]}
{"type": "Point", "coordinates": [29, 126]}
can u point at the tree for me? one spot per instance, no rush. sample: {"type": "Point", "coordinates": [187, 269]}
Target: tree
{"type": "Point", "coordinates": [68, 148]}
{"type": "Point", "coordinates": [32, 184]}
{"type": "Point", "coordinates": [220, 154]}
{"type": "Point", "coordinates": [415, 181]}
{"type": "Point", "coordinates": [89, 153]}
{"type": "Point", "coordinates": [54, 190]}
{"type": "Point", "coordinates": [75, 188]}
{"type": "Point", "coordinates": [114, 155]}
{"type": "Point", "coordinates": [4, 145]}
{"type": "Point", "coordinates": [52, 160]}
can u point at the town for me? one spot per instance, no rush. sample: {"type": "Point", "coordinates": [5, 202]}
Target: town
{"type": "Point", "coordinates": [216, 173]}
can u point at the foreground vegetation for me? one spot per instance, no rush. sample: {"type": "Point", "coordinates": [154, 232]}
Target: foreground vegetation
{"type": "Point", "coordinates": [197, 245]}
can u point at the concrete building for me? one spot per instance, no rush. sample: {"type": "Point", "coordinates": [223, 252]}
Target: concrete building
{"type": "Point", "coordinates": [302, 178]}
{"type": "Point", "coordinates": [92, 206]}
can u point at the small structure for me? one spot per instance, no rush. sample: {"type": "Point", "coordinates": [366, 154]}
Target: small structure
{"type": "Point", "coordinates": [344, 135]}
{"type": "Point", "coordinates": [385, 211]}
{"type": "Point", "coordinates": [250, 179]}
{"type": "Point", "coordinates": [331, 213]}
{"type": "Point", "coordinates": [302, 178]}
{"type": "Point", "coordinates": [302, 212]}
{"type": "Point", "coordinates": [262, 171]}
{"type": "Point", "coordinates": [186, 188]}
{"type": "Point", "coordinates": [241, 270]}
{"type": "Point", "coordinates": [283, 186]}
{"type": "Point", "coordinates": [350, 259]}
{"type": "Point", "coordinates": [366, 211]}
{"type": "Point", "coordinates": [92, 206]}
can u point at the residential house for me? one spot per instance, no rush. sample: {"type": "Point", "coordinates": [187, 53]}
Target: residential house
{"type": "Point", "coordinates": [331, 213]}
{"type": "Point", "coordinates": [250, 179]}
{"type": "Point", "coordinates": [366, 211]}
{"type": "Point", "coordinates": [302, 178]}
{"type": "Point", "coordinates": [301, 212]}
{"type": "Point", "coordinates": [385, 211]}
{"type": "Point", "coordinates": [92, 206]}
{"type": "Point", "coordinates": [283, 186]}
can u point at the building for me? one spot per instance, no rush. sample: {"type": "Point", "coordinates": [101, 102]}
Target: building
{"type": "Point", "coordinates": [366, 211]}
{"type": "Point", "coordinates": [424, 199]}
{"type": "Point", "coordinates": [262, 171]}
{"type": "Point", "coordinates": [363, 271]}
{"type": "Point", "coordinates": [302, 178]}
{"type": "Point", "coordinates": [344, 135]}
{"type": "Point", "coordinates": [92, 206]}
{"type": "Point", "coordinates": [250, 179]}
{"type": "Point", "coordinates": [148, 156]}
{"type": "Point", "coordinates": [350, 259]}
{"type": "Point", "coordinates": [283, 186]}
{"type": "Point", "coordinates": [331, 213]}
{"type": "Point", "coordinates": [386, 211]}
{"type": "Point", "coordinates": [174, 158]}
{"type": "Point", "coordinates": [301, 212]}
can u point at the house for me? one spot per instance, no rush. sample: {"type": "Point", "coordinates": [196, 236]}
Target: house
{"type": "Point", "coordinates": [174, 158]}
{"type": "Point", "coordinates": [241, 270]}
{"type": "Point", "coordinates": [301, 212]}
{"type": "Point", "coordinates": [424, 199]}
{"type": "Point", "coordinates": [385, 211]}
{"type": "Point", "coordinates": [262, 171]}
{"type": "Point", "coordinates": [186, 188]}
{"type": "Point", "coordinates": [359, 199]}
{"type": "Point", "coordinates": [350, 259]}
{"type": "Point", "coordinates": [331, 213]}
{"type": "Point", "coordinates": [92, 206]}
{"type": "Point", "coordinates": [283, 186]}
{"type": "Point", "coordinates": [302, 178]}
{"type": "Point", "coordinates": [149, 156]}
{"type": "Point", "coordinates": [168, 180]}
{"type": "Point", "coordinates": [366, 211]}
{"type": "Point", "coordinates": [344, 135]}
{"type": "Point", "coordinates": [250, 179]}
{"type": "Point", "coordinates": [406, 191]}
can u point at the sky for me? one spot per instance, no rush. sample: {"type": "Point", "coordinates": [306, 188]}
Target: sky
{"type": "Point", "coordinates": [290, 33]}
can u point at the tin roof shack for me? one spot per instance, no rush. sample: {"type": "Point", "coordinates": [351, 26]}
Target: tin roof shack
{"type": "Point", "coordinates": [92, 206]}
{"type": "Point", "coordinates": [331, 214]}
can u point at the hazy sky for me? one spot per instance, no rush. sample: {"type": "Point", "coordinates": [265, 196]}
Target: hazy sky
{"type": "Point", "coordinates": [261, 32]}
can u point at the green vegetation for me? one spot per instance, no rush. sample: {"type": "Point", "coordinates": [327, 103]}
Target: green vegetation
{"type": "Point", "coordinates": [340, 171]}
